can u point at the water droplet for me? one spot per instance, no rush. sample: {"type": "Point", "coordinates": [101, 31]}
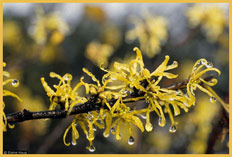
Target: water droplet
{"type": "Point", "coordinates": [94, 129]}
{"type": "Point", "coordinates": [112, 130]}
{"type": "Point", "coordinates": [162, 121]}
{"type": "Point", "coordinates": [148, 127]}
{"type": "Point", "coordinates": [209, 65]}
{"type": "Point", "coordinates": [92, 148]}
{"type": "Point", "coordinates": [66, 78]}
{"type": "Point", "coordinates": [175, 63]}
{"type": "Point", "coordinates": [178, 92]}
{"type": "Point", "coordinates": [172, 129]}
{"type": "Point", "coordinates": [131, 140]}
{"type": "Point", "coordinates": [74, 143]}
{"type": "Point", "coordinates": [113, 78]}
{"type": "Point", "coordinates": [143, 116]}
{"type": "Point", "coordinates": [203, 62]}
{"type": "Point", "coordinates": [87, 136]}
{"type": "Point", "coordinates": [106, 134]}
{"type": "Point", "coordinates": [171, 99]}
{"type": "Point", "coordinates": [186, 104]}
{"type": "Point", "coordinates": [15, 83]}
{"type": "Point", "coordinates": [124, 95]}
{"type": "Point", "coordinates": [213, 99]}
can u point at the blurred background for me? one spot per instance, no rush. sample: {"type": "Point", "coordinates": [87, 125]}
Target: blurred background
{"type": "Point", "coordinates": [64, 38]}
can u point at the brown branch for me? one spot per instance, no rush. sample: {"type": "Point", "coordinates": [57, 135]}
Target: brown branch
{"type": "Point", "coordinates": [90, 105]}
{"type": "Point", "coordinates": [58, 113]}
{"type": "Point", "coordinates": [217, 131]}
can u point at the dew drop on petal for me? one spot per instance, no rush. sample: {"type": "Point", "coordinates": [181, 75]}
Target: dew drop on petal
{"type": "Point", "coordinates": [15, 83]}
{"type": "Point", "coordinates": [67, 77]}
{"type": "Point", "coordinates": [203, 62]}
{"type": "Point", "coordinates": [74, 143]}
{"type": "Point", "coordinates": [209, 65]}
{"type": "Point", "coordinates": [113, 78]}
{"type": "Point", "coordinates": [213, 99]}
{"type": "Point", "coordinates": [92, 148]}
{"type": "Point", "coordinates": [143, 116]}
{"type": "Point", "coordinates": [172, 129]}
{"type": "Point", "coordinates": [112, 130]}
{"type": "Point", "coordinates": [131, 140]}
{"type": "Point", "coordinates": [148, 127]}
{"type": "Point", "coordinates": [162, 121]}
{"type": "Point", "coordinates": [186, 104]}
{"type": "Point", "coordinates": [105, 134]}
{"type": "Point", "coordinates": [175, 63]}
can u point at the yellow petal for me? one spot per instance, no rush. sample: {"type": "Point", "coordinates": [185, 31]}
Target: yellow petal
{"type": "Point", "coordinates": [65, 134]}
{"type": "Point", "coordinates": [8, 93]}
{"type": "Point", "coordinates": [48, 90]}
{"type": "Point", "coordinates": [138, 123]}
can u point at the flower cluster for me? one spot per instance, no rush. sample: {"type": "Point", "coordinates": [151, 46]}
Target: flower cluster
{"type": "Point", "coordinates": [117, 89]}
{"type": "Point", "coordinates": [14, 83]}
{"type": "Point", "coordinates": [211, 19]}
{"type": "Point", "coordinates": [151, 33]}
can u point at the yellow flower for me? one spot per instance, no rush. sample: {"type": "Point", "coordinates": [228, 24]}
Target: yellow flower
{"type": "Point", "coordinates": [98, 53]}
{"type": "Point", "coordinates": [12, 34]}
{"type": "Point", "coordinates": [151, 33]}
{"type": "Point", "coordinates": [92, 120]}
{"type": "Point", "coordinates": [46, 24]}
{"type": "Point", "coordinates": [111, 35]}
{"type": "Point", "coordinates": [201, 67]}
{"type": "Point", "coordinates": [94, 13]}
{"type": "Point", "coordinates": [14, 83]}
{"type": "Point", "coordinates": [211, 18]}
{"type": "Point", "coordinates": [131, 77]}
{"type": "Point", "coordinates": [128, 83]}
{"type": "Point", "coordinates": [64, 95]}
